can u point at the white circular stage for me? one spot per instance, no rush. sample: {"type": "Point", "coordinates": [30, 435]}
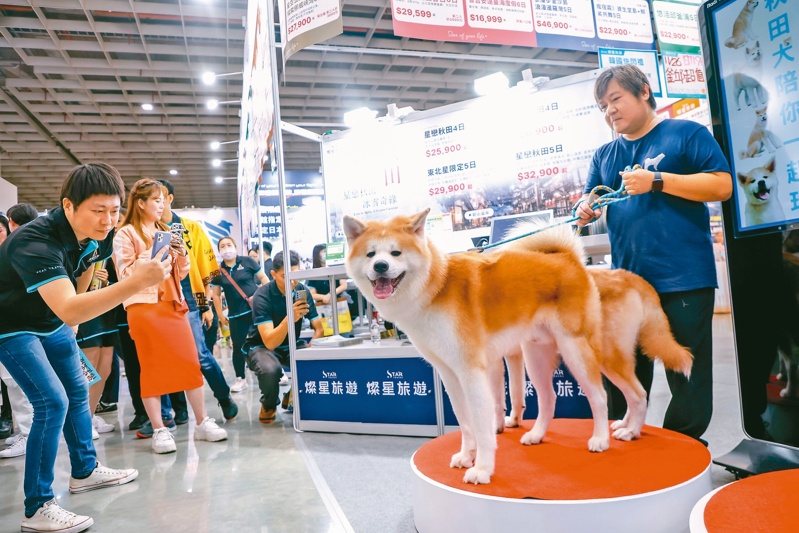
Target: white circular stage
{"type": "Point", "coordinates": [650, 484]}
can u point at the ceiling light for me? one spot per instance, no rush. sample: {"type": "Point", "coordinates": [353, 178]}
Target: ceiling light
{"type": "Point", "coordinates": [358, 117]}
{"type": "Point", "coordinates": [493, 83]}
{"type": "Point", "coordinates": [216, 163]}
{"type": "Point", "coordinates": [214, 145]}
{"type": "Point", "coordinates": [173, 172]}
{"type": "Point", "coordinates": [212, 103]}
{"type": "Point", "coordinates": [147, 107]}
{"type": "Point", "coordinates": [219, 179]}
{"type": "Point", "coordinates": [208, 77]}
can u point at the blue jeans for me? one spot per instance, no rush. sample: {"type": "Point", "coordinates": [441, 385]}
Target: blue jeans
{"type": "Point", "coordinates": [48, 371]}
{"type": "Point", "coordinates": [208, 365]}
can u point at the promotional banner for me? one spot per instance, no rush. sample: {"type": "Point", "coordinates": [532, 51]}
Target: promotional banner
{"type": "Point", "coordinates": [757, 62]}
{"type": "Point", "coordinates": [685, 75]}
{"type": "Point", "coordinates": [307, 22]}
{"type": "Point", "coordinates": [257, 111]}
{"type": "Point", "coordinates": [677, 26]}
{"type": "Point", "coordinates": [518, 152]}
{"type": "Point", "coordinates": [646, 60]}
{"type": "Point", "coordinates": [378, 391]}
{"type": "Point", "coordinates": [567, 24]}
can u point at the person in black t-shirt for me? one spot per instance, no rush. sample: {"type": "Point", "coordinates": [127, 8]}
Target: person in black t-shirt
{"type": "Point", "coordinates": [239, 277]}
{"type": "Point", "coordinates": [267, 344]}
{"type": "Point", "coordinates": [45, 269]}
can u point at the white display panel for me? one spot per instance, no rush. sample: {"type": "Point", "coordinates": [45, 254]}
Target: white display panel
{"type": "Point", "coordinates": [513, 153]}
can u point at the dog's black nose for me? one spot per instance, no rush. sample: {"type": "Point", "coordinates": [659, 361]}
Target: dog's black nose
{"type": "Point", "coordinates": [381, 267]}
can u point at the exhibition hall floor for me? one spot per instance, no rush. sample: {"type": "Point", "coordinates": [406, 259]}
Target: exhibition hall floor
{"type": "Point", "coordinates": [272, 479]}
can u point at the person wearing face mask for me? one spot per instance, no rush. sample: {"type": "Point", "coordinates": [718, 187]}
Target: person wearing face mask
{"type": "Point", "coordinates": [239, 278]}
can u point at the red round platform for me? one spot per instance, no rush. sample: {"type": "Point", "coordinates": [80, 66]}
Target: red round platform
{"type": "Point", "coordinates": [562, 468]}
{"type": "Point", "coordinates": [766, 502]}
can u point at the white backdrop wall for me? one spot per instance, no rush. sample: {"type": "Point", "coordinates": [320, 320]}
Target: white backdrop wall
{"type": "Point", "coordinates": [8, 194]}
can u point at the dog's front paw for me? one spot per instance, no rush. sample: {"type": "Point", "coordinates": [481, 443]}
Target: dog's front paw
{"type": "Point", "coordinates": [618, 424]}
{"type": "Point", "coordinates": [477, 476]}
{"type": "Point", "coordinates": [598, 444]}
{"type": "Point", "coordinates": [532, 437]}
{"type": "Point", "coordinates": [624, 434]}
{"type": "Point", "coordinates": [512, 421]}
{"type": "Point", "coordinates": [462, 460]}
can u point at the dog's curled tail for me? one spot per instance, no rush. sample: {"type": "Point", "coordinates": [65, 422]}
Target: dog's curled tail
{"type": "Point", "coordinates": [554, 240]}
{"type": "Point", "coordinates": [656, 340]}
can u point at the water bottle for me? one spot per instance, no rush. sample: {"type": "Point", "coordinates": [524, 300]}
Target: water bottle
{"type": "Point", "coordinates": [374, 329]}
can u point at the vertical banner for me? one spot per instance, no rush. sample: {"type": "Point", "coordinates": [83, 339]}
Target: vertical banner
{"type": "Point", "coordinates": [307, 22]}
{"type": "Point", "coordinates": [757, 61]}
{"type": "Point", "coordinates": [646, 60]}
{"type": "Point", "coordinates": [257, 111]}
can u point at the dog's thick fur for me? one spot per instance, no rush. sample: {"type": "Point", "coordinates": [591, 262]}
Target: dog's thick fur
{"type": "Point", "coordinates": [465, 311]}
{"type": "Point", "coordinates": [759, 188]}
{"type": "Point", "coordinates": [631, 317]}
{"type": "Point", "coordinates": [742, 27]}
{"type": "Point", "coordinates": [761, 139]}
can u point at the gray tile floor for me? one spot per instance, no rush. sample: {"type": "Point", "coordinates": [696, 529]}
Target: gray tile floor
{"type": "Point", "coordinates": [272, 479]}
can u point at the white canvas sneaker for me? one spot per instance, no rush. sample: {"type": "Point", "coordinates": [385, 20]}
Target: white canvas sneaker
{"type": "Point", "coordinates": [101, 425]}
{"type": "Point", "coordinates": [13, 438]}
{"type": "Point", "coordinates": [102, 476]}
{"type": "Point", "coordinates": [163, 441]}
{"type": "Point", "coordinates": [239, 385]}
{"type": "Point", "coordinates": [209, 430]}
{"type": "Point", "coordinates": [52, 518]}
{"type": "Point", "coordinates": [16, 449]}
{"type": "Point", "coordinates": [95, 434]}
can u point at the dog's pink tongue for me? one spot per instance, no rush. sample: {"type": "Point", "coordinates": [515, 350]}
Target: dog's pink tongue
{"type": "Point", "coordinates": [383, 288]}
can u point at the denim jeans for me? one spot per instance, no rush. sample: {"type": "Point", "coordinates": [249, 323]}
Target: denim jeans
{"type": "Point", "coordinates": [208, 365]}
{"type": "Point", "coordinates": [48, 371]}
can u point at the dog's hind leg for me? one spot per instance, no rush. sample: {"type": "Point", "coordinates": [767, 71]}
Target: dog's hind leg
{"type": "Point", "coordinates": [634, 394]}
{"type": "Point", "coordinates": [580, 357]}
{"type": "Point", "coordinates": [541, 360]}
{"type": "Point", "coordinates": [515, 363]}
{"type": "Point", "coordinates": [465, 457]}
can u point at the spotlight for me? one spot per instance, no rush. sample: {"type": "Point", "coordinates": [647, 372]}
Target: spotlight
{"type": "Point", "coordinates": [214, 145]}
{"type": "Point", "coordinates": [173, 172]}
{"type": "Point", "coordinates": [216, 163]}
{"type": "Point", "coordinates": [147, 107]}
{"type": "Point", "coordinates": [219, 179]}
{"type": "Point", "coordinates": [212, 103]}
{"type": "Point", "coordinates": [208, 77]}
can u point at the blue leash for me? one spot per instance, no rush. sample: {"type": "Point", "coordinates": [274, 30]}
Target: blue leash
{"type": "Point", "coordinates": [605, 200]}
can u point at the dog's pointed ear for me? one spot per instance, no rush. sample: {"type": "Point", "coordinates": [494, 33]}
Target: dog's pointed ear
{"type": "Point", "coordinates": [771, 165]}
{"type": "Point", "coordinates": [742, 178]}
{"type": "Point", "coordinates": [418, 220]}
{"type": "Point", "coordinates": [353, 228]}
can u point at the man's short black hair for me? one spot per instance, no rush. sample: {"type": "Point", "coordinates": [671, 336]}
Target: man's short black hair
{"type": "Point", "coordinates": [277, 261]}
{"type": "Point", "coordinates": [169, 187]}
{"type": "Point", "coordinates": [22, 213]}
{"type": "Point", "coordinates": [85, 181]}
{"type": "Point", "coordinates": [267, 247]}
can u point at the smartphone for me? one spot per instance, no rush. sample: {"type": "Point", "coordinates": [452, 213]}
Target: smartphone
{"type": "Point", "coordinates": [177, 229]}
{"type": "Point", "coordinates": [301, 294]}
{"type": "Point", "coordinates": [161, 240]}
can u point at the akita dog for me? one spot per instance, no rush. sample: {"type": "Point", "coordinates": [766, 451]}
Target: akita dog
{"type": "Point", "coordinates": [464, 311]}
{"type": "Point", "coordinates": [631, 317]}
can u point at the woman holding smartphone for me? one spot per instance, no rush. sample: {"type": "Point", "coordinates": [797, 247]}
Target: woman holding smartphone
{"type": "Point", "coordinates": [157, 316]}
{"type": "Point", "coordinates": [239, 277]}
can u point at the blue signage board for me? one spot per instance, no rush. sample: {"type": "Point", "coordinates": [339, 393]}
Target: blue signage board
{"type": "Point", "coordinates": [379, 391]}
{"type": "Point", "coordinates": [571, 402]}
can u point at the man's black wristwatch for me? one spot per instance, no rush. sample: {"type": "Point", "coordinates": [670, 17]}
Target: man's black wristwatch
{"type": "Point", "coordinates": [657, 182]}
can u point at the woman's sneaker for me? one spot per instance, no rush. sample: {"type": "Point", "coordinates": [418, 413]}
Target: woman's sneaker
{"type": "Point", "coordinates": [101, 425]}
{"type": "Point", "coordinates": [163, 441]}
{"type": "Point", "coordinates": [209, 430]}
{"type": "Point", "coordinates": [239, 385]}
{"type": "Point", "coordinates": [16, 449]}
{"type": "Point", "coordinates": [51, 517]}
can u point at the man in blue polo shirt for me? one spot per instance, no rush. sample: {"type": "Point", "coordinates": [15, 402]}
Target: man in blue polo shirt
{"type": "Point", "coordinates": [670, 168]}
{"type": "Point", "coordinates": [45, 269]}
{"type": "Point", "coordinates": [267, 346]}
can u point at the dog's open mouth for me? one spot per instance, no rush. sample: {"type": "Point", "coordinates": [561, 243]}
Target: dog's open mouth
{"type": "Point", "coordinates": [385, 287]}
{"type": "Point", "coordinates": [763, 195]}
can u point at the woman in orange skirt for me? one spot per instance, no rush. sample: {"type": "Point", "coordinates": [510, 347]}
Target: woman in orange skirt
{"type": "Point", "coordinates": [157, 318]}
